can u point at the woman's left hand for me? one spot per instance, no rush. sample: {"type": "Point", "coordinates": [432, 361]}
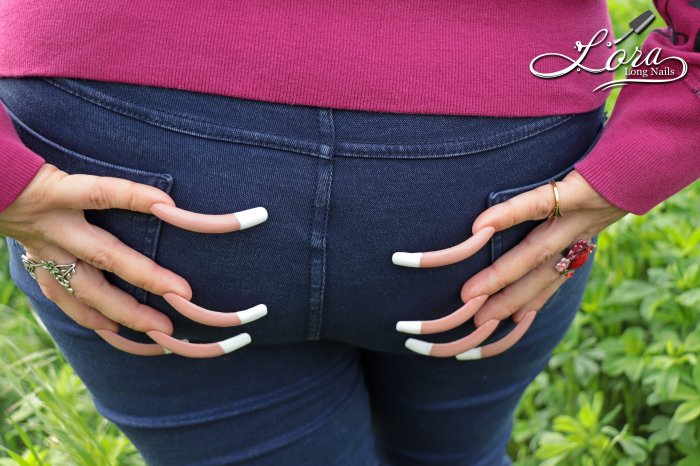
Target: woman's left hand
{"type": "Point", "coordinates": [521, 281]}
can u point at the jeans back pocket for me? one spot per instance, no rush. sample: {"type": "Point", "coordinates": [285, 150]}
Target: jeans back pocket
{"type": "Point", "coordinates": [504, 240]}
{"type": "Point", "coordinates": [137, 230]}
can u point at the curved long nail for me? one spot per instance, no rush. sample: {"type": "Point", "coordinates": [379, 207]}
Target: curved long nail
{"type": "Point", "coordinates": [443, 324]}
{"type": "Point", "coordinates": [213, 318]}
{"type": "Point", "coordinates": [130, 346]}
{"type": "Point", "coordinates": [453, 348]}
{"type": "Point", "coordinates": [199, 350]}
{"type": "Point", "coordinates": [501, 345]}
{"type": "Point", "coordinates": [447, 256]}
{"type": "Point", "coordinates": [203, 223]}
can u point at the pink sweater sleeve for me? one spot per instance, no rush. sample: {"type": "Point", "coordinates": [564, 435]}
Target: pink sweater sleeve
{"type": "Point", "coordinates": [18, 164]}
{"type": "Point", "coordinates": [650, 148]}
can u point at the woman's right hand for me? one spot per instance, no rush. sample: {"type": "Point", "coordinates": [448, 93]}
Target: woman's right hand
{"type": "Point", "coordinates": [48, 221]}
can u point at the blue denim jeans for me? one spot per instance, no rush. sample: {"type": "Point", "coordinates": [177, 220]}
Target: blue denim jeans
{"type": "Point", "coordinates": [327, 379]}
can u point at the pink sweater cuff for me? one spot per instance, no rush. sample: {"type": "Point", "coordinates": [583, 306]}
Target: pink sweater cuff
{"type": "Point", "coordinates": [18, 164]}
{"type": "Point", "coordinates": [649, 149]}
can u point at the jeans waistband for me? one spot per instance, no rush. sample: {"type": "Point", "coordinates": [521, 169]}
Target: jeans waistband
{"type": "Point", "coordinates": [352, 133]}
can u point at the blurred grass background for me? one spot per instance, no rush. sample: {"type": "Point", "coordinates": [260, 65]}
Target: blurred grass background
{"type": "Point", "coordinates": [623, 388]}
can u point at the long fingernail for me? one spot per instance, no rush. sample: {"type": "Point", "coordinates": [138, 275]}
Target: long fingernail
{"type": "Point", "coordinates": [407, 259]}
{"type": "Point", "coordinates": [251, 217]}
{"type": "Point", "coordinates": [130, 346]}
{"type": "Point", "coordinates": [409, 326]}
{"type": "Point", "coordinates": [214, 318]}
{"type": "Point", "coordinates": [418, 346]}
{"type": "Point", "coordinates": [474, 353]}
{"type": "Point", "coordinates": [204, 223]}
{"type": "Point", "coordinates": [199, 350]}
{"type": "Point", "coordinates": [446, 256]}
{"type": "Point", "coordinates": [457, 318]}
{"type": "Point", "coordinates": [254, 313]}
{"type": "Point", "coordinates": [498, 347]}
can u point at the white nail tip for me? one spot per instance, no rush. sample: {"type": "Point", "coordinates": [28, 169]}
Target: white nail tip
{"type": "Point", "coordinates": [474, 353]}
{"type": "Point", "coordinates": [420, 347]}
{"type": "Point", "coordinates": [409, 326]}
{"type": "Point", "coordinates": [254, 313]}
{"type": "Point", "coordinates": [233, 343]}
{"type": "Point", "coordinates": [407, 259]}
{"type": "Point", "coordinates": [251, 217]}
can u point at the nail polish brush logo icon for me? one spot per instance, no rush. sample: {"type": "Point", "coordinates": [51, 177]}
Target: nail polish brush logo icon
{"type": "Point", "coordinates": [638, 25]}
{"type": "Point", "coordinates": [641, 66]}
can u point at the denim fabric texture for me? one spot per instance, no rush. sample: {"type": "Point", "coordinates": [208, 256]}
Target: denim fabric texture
{"type": "Point", "coordinates": [327, 379]}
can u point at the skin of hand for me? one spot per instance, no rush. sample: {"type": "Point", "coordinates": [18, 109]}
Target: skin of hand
{"type": "Point", "coordinates": [47, 219]}
{"type": "Point", "coordinates": [524, 278]}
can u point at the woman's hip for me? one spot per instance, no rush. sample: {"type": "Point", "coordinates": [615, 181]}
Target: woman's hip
{"type": "Point", "coordinates": [344, 190]}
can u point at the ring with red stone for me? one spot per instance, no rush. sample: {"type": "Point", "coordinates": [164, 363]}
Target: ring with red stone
{"type": "Point", "coordinates": [574, 257]}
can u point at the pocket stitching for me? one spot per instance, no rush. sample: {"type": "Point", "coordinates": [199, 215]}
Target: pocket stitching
{"type": "Point", "coordinates": [497, 197]}
{"type": "Point", "coordinates": [162, 181]}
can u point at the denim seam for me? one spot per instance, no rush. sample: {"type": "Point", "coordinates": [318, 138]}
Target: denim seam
{"type": "Point", "coordinates": [301, 146]}
{"type": "Point", "coordinates": [437, 150]}
{"type": "Point", "coordinates": [319, 229]}
{"type": "Point", "coordinates": [240, 136]}
{"type": "Point", "coordinates": [152, 238]}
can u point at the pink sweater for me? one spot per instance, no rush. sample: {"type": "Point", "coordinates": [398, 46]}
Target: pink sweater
{"type": "Point", "coordinates": [405, 56]}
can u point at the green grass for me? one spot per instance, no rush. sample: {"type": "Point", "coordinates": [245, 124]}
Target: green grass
{"type": "Point", "coordinates": [622, 388]}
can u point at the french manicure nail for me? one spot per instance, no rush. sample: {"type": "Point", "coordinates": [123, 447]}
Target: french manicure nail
{"type": "Point", "coordinates": [199, 350]}
{"type": "Point", "coordinates": [205, 223]}
{"type": "Point", "coordinates": [419, 346]}
{"type": "Point", "coordinates": [409, 326]}
{"type": "Point", "coordinates": [214, 318]}
{"type": "Point", "coordinates": [447, 256]}
{"type": "Point", "coordinates": [407, 259]}
{"type": "Point", "coordinates": [251, 217]}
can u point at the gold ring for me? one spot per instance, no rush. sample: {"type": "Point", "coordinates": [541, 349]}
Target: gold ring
{"type": "Point", "coordinates": [556, 212]}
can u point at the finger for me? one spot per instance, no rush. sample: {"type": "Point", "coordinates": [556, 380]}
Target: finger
{"type": "Point", "coordinates": [443, 324]}
{"type": "Point", "coordinates": [498, 347]}
{"type": "Point", "coordinates": [102, 192]}
{"type": "Point", "coordinates": [535, 204]}
{"type": "Point", "coordinates": [453, 348]}
{"type": "Point", "coordinates": [92, 288]}
{"type": "Point", "coordinates": [202, 223]}
{"type": "Point", "coordinates": [539, 246]}
{"type": "Point", "coordinates": [511, 298]}
{"type": "Point", "coordinates": [201, 350]}
{"type": "Point", "coordinates": [80, 313]}
{"type": "Point", "coordinates": [447, 256]}
{"type": "Point", "coordinates": [105, 251]}
{"type": "Point", "coordinates": [213, 318]}
{"type": "Point", "coordinates": [537, 303]}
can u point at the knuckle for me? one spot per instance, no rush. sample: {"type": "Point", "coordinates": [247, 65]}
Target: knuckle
{"type": "Point", "coordinates": [509, 212]}
{"type": "Point", "coordinates": [543, 255]}
{"type": "Point", "coordinates": [148, 279]}
{"type": "Point", "coordinates": [98, 197]}
{"type": "Point", "coordinates": [495, 277]}
{"type": "Point", "coordinates": [84, 294]}
{"type": "Point", "coordinates": [543, 205]}
{"type": "Point", "coordinates": [129, 322]}
{"type": "Point", "coordinates": [51, 292]}
{"type": "Point", "coordinates": [100, 258]}
{"type": "Point", "coordinates": [133, 191]}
